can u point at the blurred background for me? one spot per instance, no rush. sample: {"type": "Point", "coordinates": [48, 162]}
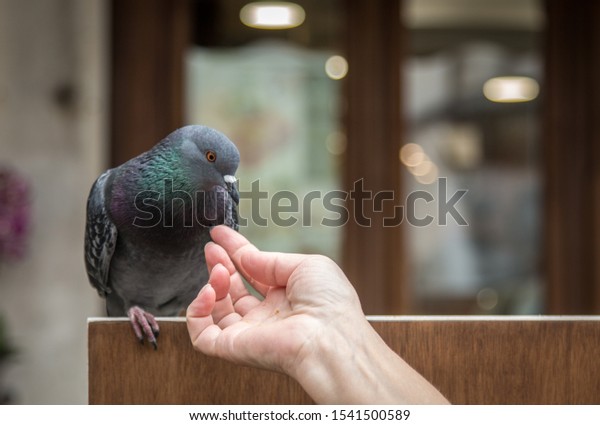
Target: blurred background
{"type": "Point", "coordinates": [498, 98]}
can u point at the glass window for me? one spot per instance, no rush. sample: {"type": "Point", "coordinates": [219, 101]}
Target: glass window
{"type": "Point", "coordinates": [472, 77]}
{"type": "Point", "coordinates": [273, 93]}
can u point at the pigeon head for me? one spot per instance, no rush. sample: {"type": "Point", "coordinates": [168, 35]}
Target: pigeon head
{"type": "Point", "coordinates": [207, 155]}
{"type": "Point", "coordinates": [186, 180]}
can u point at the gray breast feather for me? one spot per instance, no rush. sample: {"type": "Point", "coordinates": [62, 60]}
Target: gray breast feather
{"type": "Point", "coordinates": [100, 237]}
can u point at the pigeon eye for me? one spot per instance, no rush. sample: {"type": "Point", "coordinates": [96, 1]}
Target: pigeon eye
{"type": "Point", "coordinates": [211, 156]}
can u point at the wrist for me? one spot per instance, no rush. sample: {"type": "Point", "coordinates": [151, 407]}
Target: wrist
{"type": "Point", "coordinates": [351, 364]}
{"type": "Point", "coordinates": [337, 366]}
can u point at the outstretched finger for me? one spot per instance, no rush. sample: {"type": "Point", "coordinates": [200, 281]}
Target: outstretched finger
{"type": "Point", "coordinates": [270, 268]}
{"type": "Point", "coordinates": [261, 269]}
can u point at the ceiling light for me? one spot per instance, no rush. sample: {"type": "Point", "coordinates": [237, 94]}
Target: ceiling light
{"type": "Point", "coordinates": [511, 89]}
{"type": "Point", "coordinates": [272, 15]}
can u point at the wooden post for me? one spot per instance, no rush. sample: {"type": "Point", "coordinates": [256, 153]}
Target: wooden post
{"type": "Point", "coordinates": [374, 257]}
{"type": "Point", "coordinates": [149, 38]}
{"type": "Point", "coordinates": [571, 147]}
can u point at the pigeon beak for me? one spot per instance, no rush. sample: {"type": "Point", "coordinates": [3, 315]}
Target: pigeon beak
{"type": "Point", "coordinates": [229, 179]}
{"type": "Point", "coordinates": [230, 182]}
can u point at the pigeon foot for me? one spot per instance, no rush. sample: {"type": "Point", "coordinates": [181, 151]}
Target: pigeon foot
{"type": "Point", "coordinates": [144, 325]}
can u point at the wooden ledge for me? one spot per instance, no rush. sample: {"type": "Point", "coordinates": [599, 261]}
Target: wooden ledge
{"type": "Point", "coordinates": [472, 360]}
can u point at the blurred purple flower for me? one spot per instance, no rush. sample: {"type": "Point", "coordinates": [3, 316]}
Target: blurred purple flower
{"type": "Point", "coordinates": [15, 211]}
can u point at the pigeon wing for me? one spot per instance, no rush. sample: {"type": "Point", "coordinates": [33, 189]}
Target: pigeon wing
{"type": "Point", "coordinates": [100, 237]}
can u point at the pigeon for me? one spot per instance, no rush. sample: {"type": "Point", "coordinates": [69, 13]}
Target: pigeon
{"type": "Point", "coordinates": [148, 221]}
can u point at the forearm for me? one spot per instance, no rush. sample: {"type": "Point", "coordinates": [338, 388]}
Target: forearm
{"type": "Point", "coordinates": [357, 367]}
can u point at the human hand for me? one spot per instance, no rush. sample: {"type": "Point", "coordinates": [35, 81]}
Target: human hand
{"type": "Point", "coordinates": [309, 325]}
{"type": "Point", "coordinates": [304, 296]}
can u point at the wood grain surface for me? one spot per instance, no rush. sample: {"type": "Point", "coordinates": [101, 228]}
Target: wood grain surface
{"type": "Point", "coordinates": [503, 361]}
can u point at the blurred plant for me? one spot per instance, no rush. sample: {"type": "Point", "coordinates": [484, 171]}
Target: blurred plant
{"type": "Point", "coordinates": [14, 215]}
